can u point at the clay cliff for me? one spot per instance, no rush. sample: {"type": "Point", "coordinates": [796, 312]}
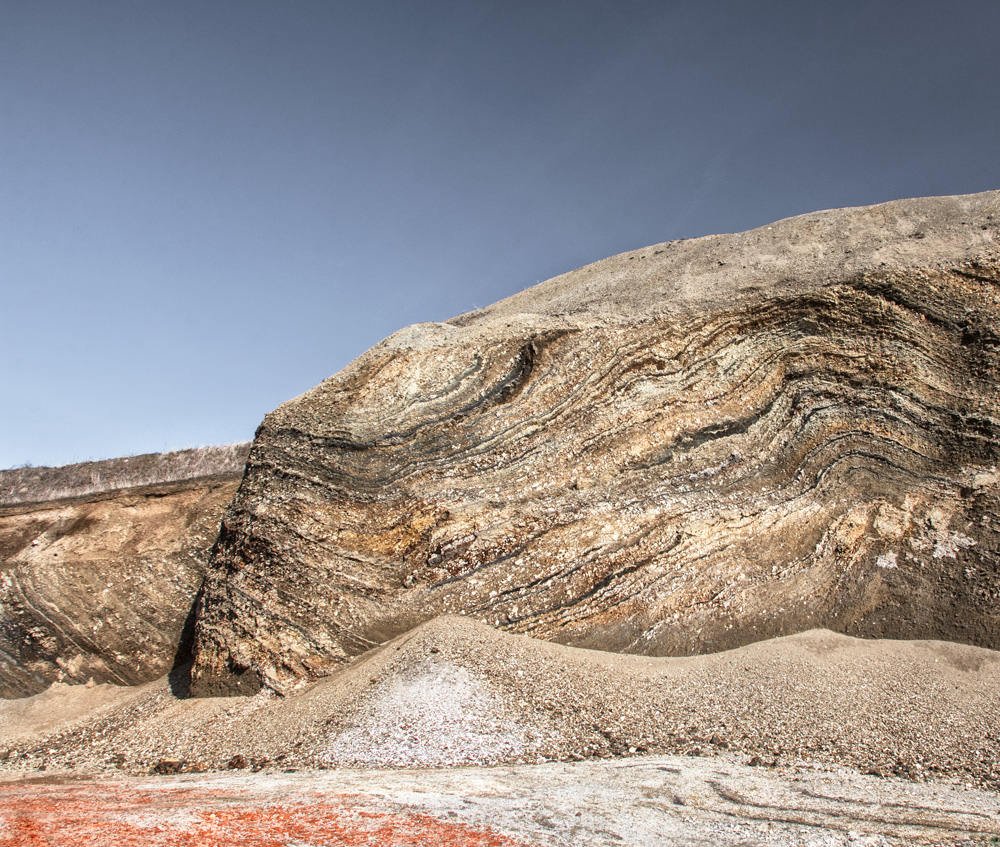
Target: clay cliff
{"type": "Point", "coordinates": [677, 450]}
{"type": "Point", "coordinates": [98, 585]}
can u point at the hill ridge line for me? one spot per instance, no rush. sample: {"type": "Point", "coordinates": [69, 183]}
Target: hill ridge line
{"type": "Point", "coordinates": [29, 485]}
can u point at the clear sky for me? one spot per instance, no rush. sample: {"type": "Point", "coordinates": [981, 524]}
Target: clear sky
{"type": "Point", "coordinates": [208, 207]}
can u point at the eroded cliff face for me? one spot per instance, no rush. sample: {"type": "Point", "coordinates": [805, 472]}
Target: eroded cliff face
{"type": "Point", "coordinates": [99, 587]}
{"type": "Point", "coordinates": [677, 450]}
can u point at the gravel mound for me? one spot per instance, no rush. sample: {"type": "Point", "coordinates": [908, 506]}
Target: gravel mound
{"type": "Point", "coordinates": [431, 714]}
{"type": "Point", "coordinates": [454, 691]}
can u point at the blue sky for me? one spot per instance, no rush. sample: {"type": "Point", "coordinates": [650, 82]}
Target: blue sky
{"type": "Point", "coordinates": [208, 207]}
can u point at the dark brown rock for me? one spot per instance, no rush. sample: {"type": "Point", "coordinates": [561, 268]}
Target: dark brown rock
{"type": "Point", "coordinates": [169, 766]}
{"type": "Point", "coordinates": [677, 450]}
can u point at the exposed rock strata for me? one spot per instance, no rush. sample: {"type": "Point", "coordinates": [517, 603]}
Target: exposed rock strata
{"type": "Point", "coordinates": [677, 450]}
{"type": "Point", "coordinates": [100, 588]}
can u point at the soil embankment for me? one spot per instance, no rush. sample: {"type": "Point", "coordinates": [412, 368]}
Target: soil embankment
{"type": "Point", "coordinates": [43, 484]}
{"type": "Point", "coordinates": [98, 585]}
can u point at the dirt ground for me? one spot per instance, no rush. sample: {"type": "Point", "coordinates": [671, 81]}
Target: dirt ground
{"type": "Point", "coordinates": [651, 800]}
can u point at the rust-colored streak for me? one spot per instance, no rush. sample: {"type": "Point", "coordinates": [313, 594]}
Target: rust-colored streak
{"type": "Point", "coordinates": [96, 816]}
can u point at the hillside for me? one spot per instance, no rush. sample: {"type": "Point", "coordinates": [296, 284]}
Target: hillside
{"type": "Point", "coordinates": [97, 582]}
{"type": "Point", "coordinates": [696, 544]}
{"type": "Point", "coordinates": [682, 449]}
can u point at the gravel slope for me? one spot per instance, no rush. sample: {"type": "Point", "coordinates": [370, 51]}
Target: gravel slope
{"type": "Point", "coordinates": [456, 692]}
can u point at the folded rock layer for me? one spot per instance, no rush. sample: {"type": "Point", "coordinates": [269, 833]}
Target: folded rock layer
{"type": "Point", "coordinates": [677, 450]}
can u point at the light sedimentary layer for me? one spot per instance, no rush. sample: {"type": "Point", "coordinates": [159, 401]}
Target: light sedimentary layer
{"type": "Point", "coordinates": [678, 450]}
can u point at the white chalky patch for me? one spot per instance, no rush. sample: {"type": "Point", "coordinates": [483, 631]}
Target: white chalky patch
{"type": "Point", "coordinates": [887, 560]}
{"type": "Point", "coordinates": [949, 543]}
{"type": "Point", "coordinates": [432, 714]}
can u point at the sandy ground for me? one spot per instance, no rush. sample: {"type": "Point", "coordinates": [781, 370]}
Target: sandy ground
{"type": "Point", "coordinates": [645, 801]}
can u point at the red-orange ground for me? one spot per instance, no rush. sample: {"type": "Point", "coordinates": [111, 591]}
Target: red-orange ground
{"type": "Point", "coordinates": [111, 814]}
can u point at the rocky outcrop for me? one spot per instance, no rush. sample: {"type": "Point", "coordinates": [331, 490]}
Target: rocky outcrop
{"type": "Point", "coordinates": [100, 587]}
{"type": "Point", "coordinates": [677, 450]}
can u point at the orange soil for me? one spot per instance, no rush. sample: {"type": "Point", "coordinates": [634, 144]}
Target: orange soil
{"type": "Point", "coordinates": [33, 816]}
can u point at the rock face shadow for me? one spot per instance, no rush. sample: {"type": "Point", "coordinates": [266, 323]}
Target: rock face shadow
{"type": "Point", "coordinates": [179, 677]}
